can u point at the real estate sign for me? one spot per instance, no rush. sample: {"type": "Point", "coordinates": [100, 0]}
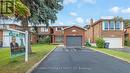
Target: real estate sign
{"type": "Point", "coordinates": [17, 43]}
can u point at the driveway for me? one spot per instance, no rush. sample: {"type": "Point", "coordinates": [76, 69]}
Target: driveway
{"type": "Point", "coordinates": [76, 60]}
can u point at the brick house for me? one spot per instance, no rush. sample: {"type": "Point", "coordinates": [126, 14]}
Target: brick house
{"type": "Point", "coordinates": [111, 30]}
{"type": "Point", "coordinates": [43, 31]}
{"type": "Point", "coordinates": [127, 28]}
{"type": "Point", "coordinates": [74, 36]}
{"type": "Point", "coordinates": [127, 32]}
{"type": "Point", "coordinates": [57, 34]}
{"type": "Point", "coordinates": [3, 37]}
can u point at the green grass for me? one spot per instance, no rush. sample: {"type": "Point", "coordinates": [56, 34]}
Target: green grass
{"type": "Point", "coordinates": [124, 55]}
{"type": "Point", "coordinates": [18, 65]}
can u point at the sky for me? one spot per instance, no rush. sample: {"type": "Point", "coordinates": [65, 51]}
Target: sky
{"type": "Point", "coordinates": [79, 12]}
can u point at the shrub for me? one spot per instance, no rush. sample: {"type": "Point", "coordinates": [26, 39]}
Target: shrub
{"type": "Point", "coordinates": [45, 40]}
{"type": "Point", "coordinates": [88, 44]}
{"type": "Point", "coordinates": [127, 42]}
{"type": "Point", "coordinates": [100, 42]}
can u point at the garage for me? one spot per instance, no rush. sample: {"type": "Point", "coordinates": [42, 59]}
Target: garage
{"type": "Point", "coordinates": [74, 36]}
{"type": "Point", "coordinates": [114, 42]}
{"type": "Point", "coordinates": [74, 41]}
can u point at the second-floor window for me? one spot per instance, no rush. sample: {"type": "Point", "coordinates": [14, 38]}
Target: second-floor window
{"type": "Point", "coordinates": [106, 25]}
{"type": "Point", "coordinates": [112, 25]}
{"type": "Point", "coordinates": [58, 29]}
{"type": "Point", "coordinates": [43, 29]}
{"type": "Point", "coordinates": [118, 25]}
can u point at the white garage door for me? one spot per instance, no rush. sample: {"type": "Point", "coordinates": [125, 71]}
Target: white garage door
{"type": "Point", "coordinates": [114, 42]}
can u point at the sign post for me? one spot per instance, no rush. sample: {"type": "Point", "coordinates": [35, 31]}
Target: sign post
{"type": "Point", "coordinates": [26, 51]}
{"type": "Point", "coordinates": [18, 43]}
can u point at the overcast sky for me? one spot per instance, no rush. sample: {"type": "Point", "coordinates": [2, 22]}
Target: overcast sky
{"type": "Point", "coordinates": [78, 12]}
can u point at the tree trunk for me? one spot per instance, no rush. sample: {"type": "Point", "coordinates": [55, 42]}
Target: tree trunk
{"type": "Point", "coordinates": [24, 23]}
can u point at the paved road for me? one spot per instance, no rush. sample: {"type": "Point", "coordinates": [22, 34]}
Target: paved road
{"type": "Point", "coordinates": [74, 60]}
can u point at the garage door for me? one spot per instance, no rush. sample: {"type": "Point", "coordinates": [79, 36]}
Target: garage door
{"type": "Point", "coordinates": [114, 42]}
{"type": "Point", "coordinates": [74, 41]}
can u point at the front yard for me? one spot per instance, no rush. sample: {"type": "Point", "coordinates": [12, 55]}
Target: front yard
{"type": "Point", "coordinates": [118, 54]}
{"type": "Point", "coordinates": [18, 65]}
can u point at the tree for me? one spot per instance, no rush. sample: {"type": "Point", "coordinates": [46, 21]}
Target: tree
{"type": "Point", "coordinates": [43, 11]}
{"type": "Point", "coordinates": [37, 11]}
{"type": "Point", "coordinates": [20, 11]}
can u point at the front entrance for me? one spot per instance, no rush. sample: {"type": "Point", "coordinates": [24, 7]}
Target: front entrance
{"type": "Point", "coordinates": [74, 41]}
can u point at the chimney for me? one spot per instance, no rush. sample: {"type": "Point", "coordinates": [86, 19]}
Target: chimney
{"type": "Point", "coordinates": [91, 21]}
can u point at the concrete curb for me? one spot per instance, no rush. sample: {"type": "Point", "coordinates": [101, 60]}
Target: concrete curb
{"type": "Point", "coordinates": [111, 55]}
{"type": "Point", "coordinates": [36, 65]}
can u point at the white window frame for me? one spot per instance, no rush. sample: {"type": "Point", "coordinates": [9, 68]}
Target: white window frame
{"type": "Point", "coordinates": [103, 25]}
{"type": "Point", "coordinates": [44, 29]}
{"type": "Point", "coordinates": [57, 28]}
{"type": "Point", "coordinates": [119, 24]}
{"type": "Point", "coordinates": [113, 24]}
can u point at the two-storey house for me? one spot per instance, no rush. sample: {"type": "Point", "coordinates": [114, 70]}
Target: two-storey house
{"type": "Point", "coordinates": [3, 33]}
{"type": "Point", "coordinates": [58, 34]}
{"type": "Point", "coordinates": [111, 30]}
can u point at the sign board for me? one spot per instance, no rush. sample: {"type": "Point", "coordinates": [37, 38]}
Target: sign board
{"type": "Point", "coordinates": [17, 43]}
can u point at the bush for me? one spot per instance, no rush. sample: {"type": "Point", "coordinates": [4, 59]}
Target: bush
{"type": "Point", "coordinates": [88, 44]}
{"type": "Point", "coordinates": [45, 40]}
{"type": "Point", "coordinates": [100, 43]}
{"type": "Point", "coordinates": [127, 42]}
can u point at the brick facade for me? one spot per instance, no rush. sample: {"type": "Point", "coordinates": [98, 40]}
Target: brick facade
{"type": "Point", "coordinates": [75, 31]}
{"type": "Point", "coordinates": [96, 30]}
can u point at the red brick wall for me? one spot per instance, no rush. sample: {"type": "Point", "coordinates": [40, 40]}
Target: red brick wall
{"type": "Point", "coordinates": [128, 33]}
{"type": "Point", "coordinates": [97, 30]}
{"type": "Point", "coordinates": [33, 38]}
{"type": "Point", "coordinates": [58, 32]}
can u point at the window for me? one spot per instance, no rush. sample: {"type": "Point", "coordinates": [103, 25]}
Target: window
{"type": "Point", "coordinates": [118, 25]}
{"type": "Point", "coordinates": [44, 29]}
{"type": "Point", "coordinates": [112, 25]}
{"type": "Point", "coordinates": [106, 23]}
{"type": "Point", "coordinates": [59, 39]}
{"type": "Point", "coordinates": [58, 29]}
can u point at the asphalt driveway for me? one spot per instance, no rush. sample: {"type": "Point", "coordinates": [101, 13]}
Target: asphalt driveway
{"type": "Point", "coordinates": [76, 60]}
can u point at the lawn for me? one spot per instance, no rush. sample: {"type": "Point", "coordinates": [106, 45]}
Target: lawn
{"type": "Point", "coordinates": [122, 55]}
{"type": "Point", "coordinates": [18, 65]}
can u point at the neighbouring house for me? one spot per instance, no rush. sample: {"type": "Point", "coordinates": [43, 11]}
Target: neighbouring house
{"type": "Point", "coordinates": [127, 28]}
{"type": "Point", "coordinates": [127, 32]}
{"type": "Point", "coordinates": [58, 34]}
{"type": "Point", "coordinates": [111, 30]}
{"type": "Point", "coordinates": [55, 32]}
{"type": "Point", "coordinates": [3, 33]}
{"type": "Point", "coordinates": [42, 32]}
{"type": "Point", "coordinates": [74, 36]}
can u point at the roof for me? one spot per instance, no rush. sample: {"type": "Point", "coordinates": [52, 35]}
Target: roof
{"type": "Point", "coordinates": [58, 26]}
{"type": "Point", "coordinates": [98, 21]}
{"type": "Point", "coordinates": [75, 26]}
